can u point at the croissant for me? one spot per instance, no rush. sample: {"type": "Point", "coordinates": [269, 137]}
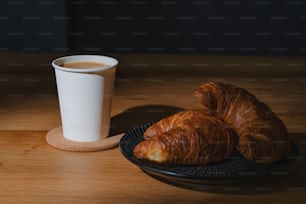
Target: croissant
{"type": "Point", "coordinates": [187, 137]}
{"type": "Point", "coordinates": [263, 137]}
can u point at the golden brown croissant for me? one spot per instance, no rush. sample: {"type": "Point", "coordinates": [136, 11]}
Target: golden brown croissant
{"type": "Point", "coordinates": [187, 137]}
{"type": "Point", "coordinates": [262, 135]}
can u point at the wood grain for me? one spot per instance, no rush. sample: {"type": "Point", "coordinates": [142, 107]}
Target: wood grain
{"type": "Point", "coordinates": [31, 171]}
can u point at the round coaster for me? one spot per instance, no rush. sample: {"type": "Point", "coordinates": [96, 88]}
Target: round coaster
{"type": "Point", "coordinates": [56, 139]}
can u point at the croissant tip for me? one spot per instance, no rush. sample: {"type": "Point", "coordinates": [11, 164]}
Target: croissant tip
{"type": "Point", "coordinates": [151, 151]}
{"type": "Point", "coordinates": [197, 94]}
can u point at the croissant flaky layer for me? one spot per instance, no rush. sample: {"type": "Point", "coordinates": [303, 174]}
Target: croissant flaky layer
{"type": "Point", "coordinates": [187, 137]}
{"type": "Point", "coordinates": [263, 137]}
{"type": "Point", "coordinates": [209, 135]}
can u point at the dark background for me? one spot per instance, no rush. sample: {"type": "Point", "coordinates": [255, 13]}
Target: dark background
{"type": "Point", "coordinates": [257, 27]}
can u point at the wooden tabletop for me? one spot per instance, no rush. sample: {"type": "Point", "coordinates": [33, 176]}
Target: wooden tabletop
{"type": "Point", "coordinates": [147, 88]}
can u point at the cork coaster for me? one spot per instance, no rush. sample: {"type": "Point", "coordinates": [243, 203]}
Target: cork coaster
{"type": "Point", "coordinates": [56, 139]}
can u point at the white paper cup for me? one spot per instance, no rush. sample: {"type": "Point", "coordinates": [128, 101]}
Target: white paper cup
{"type": "Point", "coordinates": [85, 96]}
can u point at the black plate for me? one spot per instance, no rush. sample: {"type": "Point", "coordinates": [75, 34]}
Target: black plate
{"type": "Point", "coordinates": [234, 169]}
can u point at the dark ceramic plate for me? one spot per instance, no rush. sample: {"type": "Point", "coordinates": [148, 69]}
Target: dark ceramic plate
{"type": "Point", "coordinates": [233, 169]}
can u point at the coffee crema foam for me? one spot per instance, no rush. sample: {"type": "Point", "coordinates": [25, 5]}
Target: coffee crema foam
{"type": "Point", "coordinates": [83, 64]}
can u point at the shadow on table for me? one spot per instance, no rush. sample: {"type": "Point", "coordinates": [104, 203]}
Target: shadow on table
{"type": "Point", "coordinates": [140, 115]}
{"type": "Point", "coordinates": [290, 179]}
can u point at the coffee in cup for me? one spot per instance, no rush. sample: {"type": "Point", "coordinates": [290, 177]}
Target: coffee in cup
{"type": "Point", "coordinates": [83, 64]}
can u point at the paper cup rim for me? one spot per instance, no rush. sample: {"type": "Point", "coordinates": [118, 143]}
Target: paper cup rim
{"type": "Point", "coordinates": [111, 62]}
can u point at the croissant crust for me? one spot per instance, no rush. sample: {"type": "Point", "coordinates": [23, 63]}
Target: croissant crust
{"type": "Point", "coordinates": [263, 137]}
{"type": "Point", "coordinates": [210, 135]}
{"type": "Point", "coordinates": [187, 137]}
